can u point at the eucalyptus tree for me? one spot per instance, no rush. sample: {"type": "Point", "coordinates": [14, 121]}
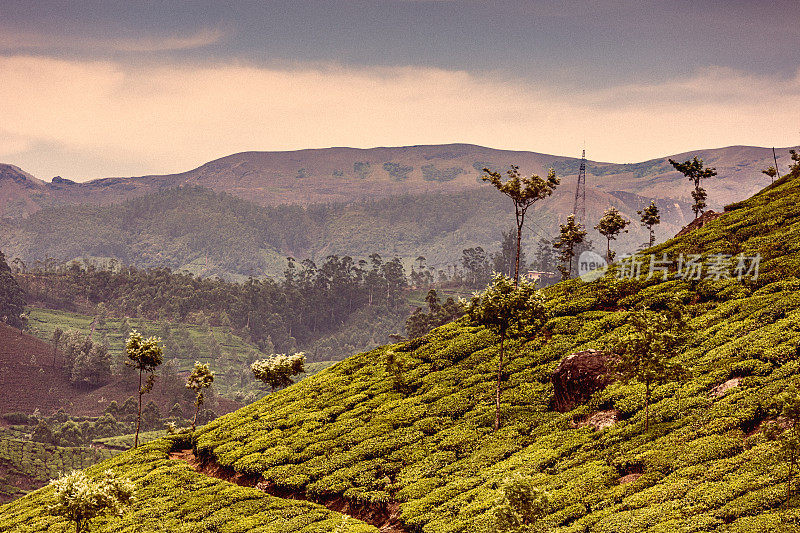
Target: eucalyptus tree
{"type": "Point", "coordinates": [646, 349]}
{"type": "Point", "coordinates": [201, 378]}
{"type": "Point", "coordinates": [696, 172]}
{"type": "Point", "coordinates": [81, 499]}
{"type": "Point", "coordinates": [524, 192]}
{"type": "Point", "coordinates": [145, 355]}
{"type": "Point", "coordinates": [277, 370]}
{"type": "Point", "coordinates": [572, 234]}
{"type": "Point", "coordinates": [650, 218]}
{"type": "Point", "coordinates": [610, 226]}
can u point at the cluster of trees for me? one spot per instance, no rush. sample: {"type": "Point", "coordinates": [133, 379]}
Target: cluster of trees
{"type": "Point", "coordinates": [307, 303]}
{"type": "Point", "coordinates": [87, 362]}
{"type": "Point", "coordinates": [12, 297]}
{"type": "Point", "coordinates": [420, 322]}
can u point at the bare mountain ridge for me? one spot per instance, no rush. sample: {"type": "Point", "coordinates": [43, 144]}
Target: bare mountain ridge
{"type": "Point", "coordinates": [346, 174]}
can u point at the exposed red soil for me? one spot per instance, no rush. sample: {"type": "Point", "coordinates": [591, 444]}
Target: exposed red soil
{"type": "Point", "coordinates": [699, 222]}
{"type": "Point", "coordinates": [29, 381]}
{"type": "Point", "coordinates": [383, 516]}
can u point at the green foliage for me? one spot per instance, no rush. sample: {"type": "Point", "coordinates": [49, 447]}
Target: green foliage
{"type": "Point", "coordinates": [277, 370]}
{"type": "Point", "coordinates": [420, 323]}
{"type": "Point", "coordinates": [610, 226]}
{"type": "Point", "coordinates": [523, 192]}
{"type": "Point", "coordinates": [144, 355]}
{"type": "Point", "coordinates": [650, 218]}
{"type": "Point", "coordinates": [81, 500]}
{"type": "Point", "coordinates": [397, 171]}
{"type": "Point", "coordinates": [431, 173]}
{"type": "Point", "coordinates": [645, 352]}
{"type": "Point", "coordinates": [572, 234]}
{"type": "Point", "coordinates": [201, 378]}
{"type": "Point", "coordinates": [33, 464]}
{"type": "Point", "coordinates": [88, 362]}
{"type": "Point", "coordinates": [694, 170]}
{"type": "Point", "coordinates": [346, 433]}
{"type": "Point", "coordinates": [520, 507]}
{"type": "Point", "coordinates": [507, 309]}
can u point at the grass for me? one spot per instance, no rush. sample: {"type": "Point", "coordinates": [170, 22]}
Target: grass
{"type": "Point", "coordinates": [346, 431]}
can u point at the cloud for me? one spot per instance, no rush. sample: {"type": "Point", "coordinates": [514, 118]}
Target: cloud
{"type": "Point", "coordinates": [175, 117]}
{"type": "Point", "coordinates": [16, 40]}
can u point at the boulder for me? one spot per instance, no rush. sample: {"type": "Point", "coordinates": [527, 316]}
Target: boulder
{"type": "Point", "coordinates": [579, 375]}
{"type": "Point", "coordinates": [699, 222]}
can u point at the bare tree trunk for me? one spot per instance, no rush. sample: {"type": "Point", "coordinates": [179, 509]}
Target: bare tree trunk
{"type": "Point", "coordinates": [139, 417]}
{"type": "Point", "coordinates": [792, 461]}
{"type": "Point", "coordinates": [196, 412]}
{"type": "Point", "coordinates": [520, 221]}
{"type": "Point", "coordinates": [499, 377]}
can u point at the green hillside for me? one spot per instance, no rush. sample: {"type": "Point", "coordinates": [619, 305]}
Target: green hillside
{"type": "Point", "coordinates": [210, 233]}
{"type": "Point", "coordinates": [429, 451]}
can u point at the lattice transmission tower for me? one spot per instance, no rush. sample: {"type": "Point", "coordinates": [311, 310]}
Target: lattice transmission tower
{"type": "Point", "coordinates": [579, 207]}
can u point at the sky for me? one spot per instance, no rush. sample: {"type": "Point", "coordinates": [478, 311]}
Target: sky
{"type": "Point", "coordinates": [106, 88]}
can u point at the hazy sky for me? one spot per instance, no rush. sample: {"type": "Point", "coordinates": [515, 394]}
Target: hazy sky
{"type": "Point", "coordinates": [98, 89]}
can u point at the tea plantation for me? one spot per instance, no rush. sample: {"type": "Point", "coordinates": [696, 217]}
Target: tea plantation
{"type": "Point", "coordinates": [703, 465]}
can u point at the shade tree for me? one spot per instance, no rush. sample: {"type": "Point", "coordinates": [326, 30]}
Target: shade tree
{"type": "Point", "coordinates": [200, 378]}
{"type": "Point", "coordinates": [696, 172]}
{"type": "Point", "coordinates": [144, 355]}
{"type": "Point", "coordinates": [508, 310]}
{"type": "Point", "coordinates": [523, 192]}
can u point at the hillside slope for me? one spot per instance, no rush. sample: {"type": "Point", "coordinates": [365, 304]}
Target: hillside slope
{"type": "Point", "coordinates": [430, 453]}
{"type": "Point", "coordinates": [29, 381]}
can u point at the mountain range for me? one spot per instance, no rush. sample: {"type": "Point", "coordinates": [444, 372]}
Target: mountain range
{"type": "Point", "coordinates": [356, 185]}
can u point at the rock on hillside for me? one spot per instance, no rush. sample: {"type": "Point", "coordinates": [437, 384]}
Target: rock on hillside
{"type": "Point", "coordinates": [580, 375]}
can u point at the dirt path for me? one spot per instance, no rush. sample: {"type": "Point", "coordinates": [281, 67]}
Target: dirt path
{"type": "Point", "coordinates": [382, 516]}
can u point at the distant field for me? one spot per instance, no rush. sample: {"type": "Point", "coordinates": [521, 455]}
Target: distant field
{"type": "Point", "coordinates": [124, 442]}
{"type": "Point", "coordinates": [185, 343]}
{"type": "Point", "coordinates": [26, 465]}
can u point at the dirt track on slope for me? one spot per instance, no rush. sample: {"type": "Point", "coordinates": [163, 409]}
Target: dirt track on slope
{"type": "Point", "coordinates": [383, 516]}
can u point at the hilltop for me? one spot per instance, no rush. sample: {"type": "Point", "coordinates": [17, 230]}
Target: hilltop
{"type": "Point", "coordinates": [425, 458]}
{"type": "Point", "coordinates": [313, 176]}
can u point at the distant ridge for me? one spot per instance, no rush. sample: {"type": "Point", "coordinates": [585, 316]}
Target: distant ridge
{"type": "Point", "coordinates": [346, 174]}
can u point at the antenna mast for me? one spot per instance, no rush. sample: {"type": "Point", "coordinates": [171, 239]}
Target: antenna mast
{"type": "Point", "coordinates": [579, 208]}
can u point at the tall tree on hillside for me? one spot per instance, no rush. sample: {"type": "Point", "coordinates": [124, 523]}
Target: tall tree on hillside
{"type": "Point", "coordinates": [572, 234]}
{"type": "Point", "coordinates": [507, 309]}
{"type": "Point", "coordinates": [524, 192]}
{"type": "Point", "coordinates": [645, 352]}
{"type": "Point", "coordinates": [200, 378]}
{"type": "Point", "coordinates": [794, 168]}
{"type": "Point", "coordinates": [650, 219]}
{"type": "Point", "coordinates": [12, 297]}
{"type": "Point", "coordinates": [694, 170]}
{"type": "Point", "coordinates": [609, 227]}
{"type": "Point", "coordinates": [145, 356]}
{"type": "Point", "coordinates": [771, 172]}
